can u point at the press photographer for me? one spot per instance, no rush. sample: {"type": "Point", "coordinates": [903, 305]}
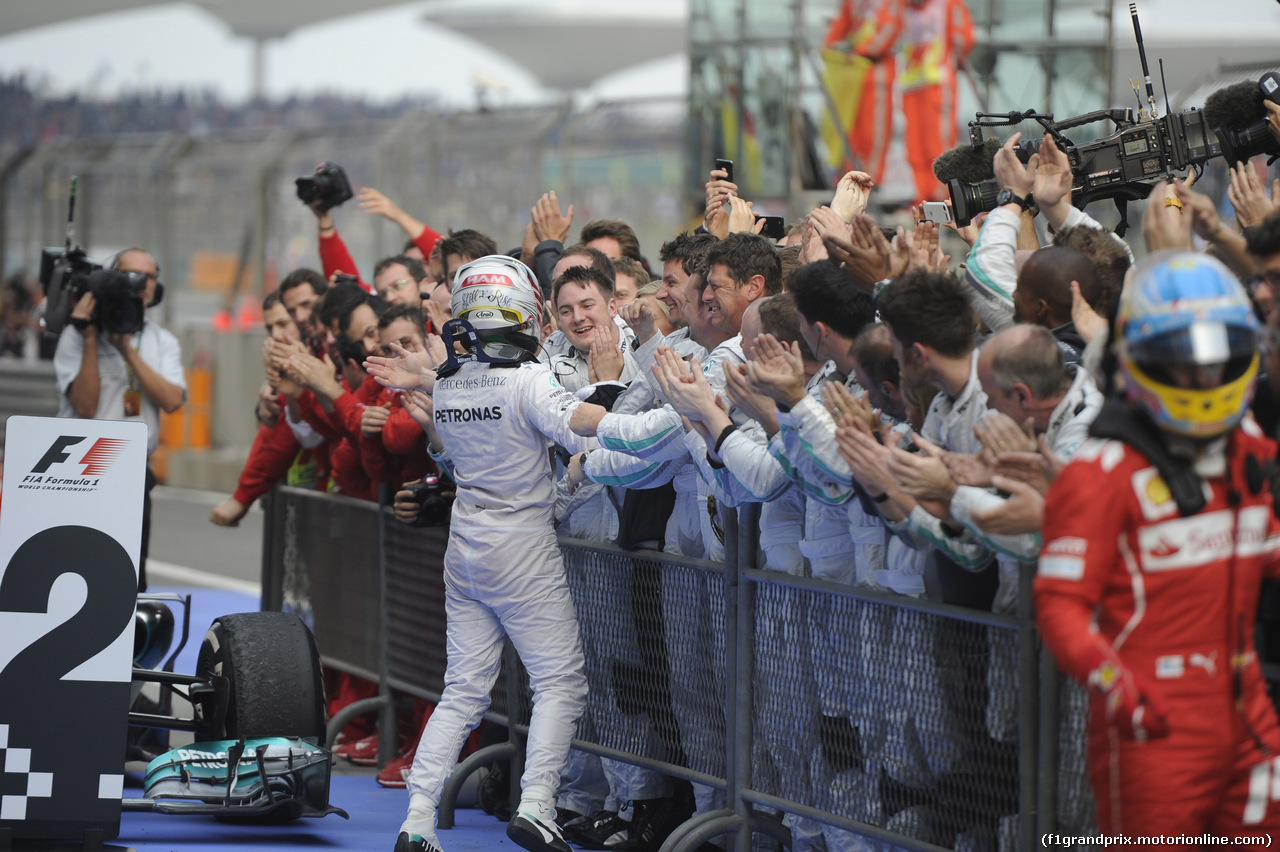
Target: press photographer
{"type": "Point", "coordinates": [114, 364]}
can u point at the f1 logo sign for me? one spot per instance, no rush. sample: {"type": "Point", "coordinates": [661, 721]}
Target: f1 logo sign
{"type": "Point", "coordinates": [96, 461]}
{"type": "Point", "coordinates": [56, 453]}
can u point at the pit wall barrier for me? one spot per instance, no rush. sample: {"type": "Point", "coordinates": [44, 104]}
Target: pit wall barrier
{"type": "Point", "coordinates": [794, 706]}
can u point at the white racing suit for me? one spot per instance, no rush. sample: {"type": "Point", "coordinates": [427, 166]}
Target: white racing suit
{"type": "Point", "coordinates": [502, 568]}
{"type": "Point", "coordinates": [893, 696]}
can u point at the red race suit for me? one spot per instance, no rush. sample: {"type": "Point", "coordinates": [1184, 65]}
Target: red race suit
{"type": "Point", "coordinates": [335, 257]}
{"type": "Point", "coordinates": [1155, 613]}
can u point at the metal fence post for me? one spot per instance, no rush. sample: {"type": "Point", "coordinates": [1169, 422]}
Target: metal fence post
{"type": "Point", "coordinates": [266, 162]}
{"type": "Point", "coordinates": [1028, 709]}
{"type": "Point", "coordinates": [271, 572]}
{"type": "Point", "coordinates": [388, 728]}
{"type": "Point", "coordinates": [1050, 687]}
{"type": "Point", "coordinates": [735, 756]}
{"type": "Point", "coordinates": [7, 170]}
{"type": "Point", "coordinates": [744, 667]}
{"type": "Point", "coordinates": [160, 167]}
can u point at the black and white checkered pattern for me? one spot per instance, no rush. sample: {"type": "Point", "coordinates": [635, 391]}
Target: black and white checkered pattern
{"type": "Point", "coordinates": [17, 761]}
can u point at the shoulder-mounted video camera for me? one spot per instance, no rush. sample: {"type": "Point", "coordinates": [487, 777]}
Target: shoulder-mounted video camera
{"type": "Point", "coordinates": [1125, 165]}
{"type": "Point", "coordinates": [66, 274]}
{"type": "Point", "coordinates": [325, 189]}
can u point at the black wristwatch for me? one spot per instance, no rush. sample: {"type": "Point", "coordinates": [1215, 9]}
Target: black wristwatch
{"type": "Point", "coordinates": [1006, 196]}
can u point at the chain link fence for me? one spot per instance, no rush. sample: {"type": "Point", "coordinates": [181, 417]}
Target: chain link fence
{"type": "Point", "coordinates": [838, 710]}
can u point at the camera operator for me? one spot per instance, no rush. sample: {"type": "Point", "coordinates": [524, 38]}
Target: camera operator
{"type": "Point", "coordinates": [129, 377]}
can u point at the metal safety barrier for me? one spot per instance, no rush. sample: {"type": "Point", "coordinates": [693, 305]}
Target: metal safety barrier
{"type": "Point", "coordinates": [792, 704]}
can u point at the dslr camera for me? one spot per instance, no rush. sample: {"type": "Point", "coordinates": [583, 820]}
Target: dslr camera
{"type": "Point", "coordinates": [325, 189]}
{"type": "Point", "coordinates": [67, 274]}
{"type": "Point", "coordinates": [433, 501]}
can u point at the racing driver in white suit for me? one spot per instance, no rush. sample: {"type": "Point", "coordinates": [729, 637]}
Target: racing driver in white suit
{"type": "Point", "coordinates": [493, 414]}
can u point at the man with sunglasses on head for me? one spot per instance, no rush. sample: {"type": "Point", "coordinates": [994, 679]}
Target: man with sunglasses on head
{"type": "Point", "coordinates": [106, 376]}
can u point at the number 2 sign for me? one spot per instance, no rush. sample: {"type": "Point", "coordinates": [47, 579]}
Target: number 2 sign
{"type": "Point", "coordinates": [70, 533]}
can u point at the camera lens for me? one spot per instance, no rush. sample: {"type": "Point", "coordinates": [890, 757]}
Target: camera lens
{"type": "Point", "coordinates": [970, 199]}
{"type": "Point", "coordinates": [308, 192]}
{"type": "Point", "coordinates": [121, 316]}
{"type": "Point", "coordinates": [1240, 146]}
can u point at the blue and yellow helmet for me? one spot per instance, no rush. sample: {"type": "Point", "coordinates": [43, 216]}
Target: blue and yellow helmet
{"type": "Point", "coordinates": [1187, 344]}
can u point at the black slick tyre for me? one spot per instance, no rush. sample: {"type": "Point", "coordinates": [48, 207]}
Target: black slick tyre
{"type": "Point", "coordinates": [272, 668]}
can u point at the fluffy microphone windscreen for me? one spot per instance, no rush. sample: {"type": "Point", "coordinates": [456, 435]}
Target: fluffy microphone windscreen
{"type": "Point", "coordinates": [967, 163]}
{"type": "Point", "coordinates": [1236, 106]}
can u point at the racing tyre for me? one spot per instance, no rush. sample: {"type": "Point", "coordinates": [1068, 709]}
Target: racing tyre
{"type": "Point", "coordinates": [272, 668]}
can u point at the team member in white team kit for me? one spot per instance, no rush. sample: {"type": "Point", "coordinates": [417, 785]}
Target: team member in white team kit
{"type": "Point", "coordinates": [489, 423]}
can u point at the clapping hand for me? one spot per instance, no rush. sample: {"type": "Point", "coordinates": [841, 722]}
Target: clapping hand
{"type": "Point", "coordinates": [1021, 513]}
{"type": "Point", "coordinates": [779, 372]}
{"type": "Point", "coordinates": [406, 370]}
{"type": "Point", "coordinates": [757, 406]}
{"type": "Point", "coordinates": [604, 359]}
{"type": "Point", "coordinates": [373, 418]}
{"type": "Point", "coordinates": [923, 248]}
{"type": "Point", "coordinates": [924, 475]}
{"type": "Point", "coordinates": [840, 403]}
{"type": "Point", "coordinates": [548, 222]}
{"type": "Point", "coordinates": [1037, 469]}
{"type": "Point", "coordinates": [421, 408]}
{"type": "Point", "coordinates": [970, 469]}
{"type": "Point", "coordinates": [1248, 195]}
{"type": "Point", "coordinates": [1000, 433]}
{"type": "Point", "coordinates": [1053, 178]}
{"type": "Point", "coordinates": [867, 256]}
{"type": "Point", "coordinates": [1010, 171]}
{"type": "Point", "coordinates": [867, 457]}
{"type": "Point", "coordinates": [683, 385]}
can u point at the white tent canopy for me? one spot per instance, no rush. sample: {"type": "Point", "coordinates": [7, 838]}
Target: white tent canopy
{"type": "Point", "coordinates": [251, 18]}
